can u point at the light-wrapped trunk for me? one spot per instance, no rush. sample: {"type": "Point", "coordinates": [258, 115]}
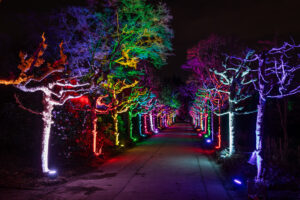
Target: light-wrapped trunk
{"type": "Point", "coordinates": [47, 120]}
{"type": "Point", "coordinates": [116, 128]}
{"type": "Point", "coordinates": [231, 129]}
{"type": "Point", "coordinates": [151, 123]}
{"type": "Point", "coordinates": [130, 126]}
{"type": "Point", "coordinates": [212, 125]}
{"type": "Point", "coordinates": [259, 136]}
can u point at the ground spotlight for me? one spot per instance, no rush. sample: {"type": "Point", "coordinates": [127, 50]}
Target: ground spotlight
{"type": "Point", "coordinates": [237, 181]}
{"type": "Point", "coordinates": [208, 141]}
{"type": "Point", "coordinates": [52, 174]}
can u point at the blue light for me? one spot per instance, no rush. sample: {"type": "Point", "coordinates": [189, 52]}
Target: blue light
{"type": "Point", "coordinates": [208, 141]}
{"type": "Point", "coordinates": [52, 174]}
{"type": "Point", "coordinates": [237, 181]}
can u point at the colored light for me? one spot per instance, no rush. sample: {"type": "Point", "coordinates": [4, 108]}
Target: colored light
{"type": "Point", "coordinates": [151, 122]}
{"type": "Point", "coordinates": [52, 174]}
{"type": "Point", "coordinates": [237, 181]}
{"type": "Point", "coordinates": [146, 125]}
{"type": "Point", "coordinates": [140, 125]}
{"type": "Point", "coordinates": [208, 141]}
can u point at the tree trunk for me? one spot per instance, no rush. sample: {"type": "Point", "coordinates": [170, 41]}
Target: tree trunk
{"type": "Point", "coordinates": [116, 128]}
{"type": "Point", "coordinates": [151, 123]}
{"type": "Point", "coordinates": [259, 136]}
{"type": "Point", "coordinates": [201, 121]}
{"type": "Point", "coordinates": [231, 129]}
{"type": "Point", "coordinates": [130, 126]}
{"type": "Point", "coordinates": [219, 130]}
{"type": "Point", "coordinates": [47, 120]}
{"type": "Point", "coordinates": [205, 123]}
{"type": "Point", "coordinates": [95, 133]}
{"type": "Point", "coordinates": [145, 124]}
{"type": "Point", "coordinates": [208, 123]}
{"type": "Point", "coordinates": [212, 125]}
{"type": "Point", "coordinates": [140, 125]}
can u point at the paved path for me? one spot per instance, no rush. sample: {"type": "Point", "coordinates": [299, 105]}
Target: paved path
{"type": "Point", "coordinates": [168, 166]}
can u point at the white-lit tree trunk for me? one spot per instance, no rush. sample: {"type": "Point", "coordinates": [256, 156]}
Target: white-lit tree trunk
{"type": "Point", "coordinates": [259, 136]}
{"type": "Point", "coordinates": [47, 120]}
{"type": "Point", "coordinates": [140, 125]}
{"type": "Point", "coordinates": [151, 122]}
{"type": "Point", "coordinates": [231, 129]}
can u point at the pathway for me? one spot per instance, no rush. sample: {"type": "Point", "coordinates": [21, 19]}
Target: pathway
{"type": "Point", "coordinates": [168, 166]}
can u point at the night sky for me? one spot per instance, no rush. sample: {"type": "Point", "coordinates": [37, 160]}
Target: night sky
{"type": "Point", "coordinates": [249, 21]}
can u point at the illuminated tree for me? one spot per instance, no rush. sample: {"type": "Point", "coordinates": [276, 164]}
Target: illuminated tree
{"type": "Point", "coordinates": [235, 80]}
{"type": "Point", "coordinates": [120, 102]}
{"type": "Point", "coordinates": [275, 69]}
{"type": "Point", "coordinates": [146, 106]}
{"type": "Point", "coordinates": [84, 32]}
{"type": "Point", "coordinates": [37, 76]}
{"type": "Point", "coordinates": [202, 59]}
{"type": "Point", "coordinates": [168, 100]}
{"type": "Point", "coordinates": [138, 109]}
{"type": "Point", "coordinates": [100, 108]}
{"type": "Point", "coordinates": [144, 30]}
{"type": "Point", "coordinates": [117, 45]}
{"type": "Point", "coordinates": [214, 100]}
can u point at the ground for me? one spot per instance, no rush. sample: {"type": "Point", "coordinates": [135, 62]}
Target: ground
{"type": "Point", "coordinates": [170, 165]}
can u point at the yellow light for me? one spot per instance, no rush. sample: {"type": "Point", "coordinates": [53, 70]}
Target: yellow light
{"type": "Point", "coordinates": [126, 61]}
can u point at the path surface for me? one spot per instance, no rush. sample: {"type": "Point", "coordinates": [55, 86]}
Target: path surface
{"type": "Point", "coordinates": [168, 166]}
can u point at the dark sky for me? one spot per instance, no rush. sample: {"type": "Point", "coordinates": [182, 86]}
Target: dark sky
{"type": "Point", "coordinates": [248, 20]}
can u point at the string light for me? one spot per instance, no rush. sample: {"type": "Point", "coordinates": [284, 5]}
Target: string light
{"type": "Point", "coordinates": [151, 122]}
{"type": "Point", "coordinates": [145, 124]}
{"type": "Point", "coordinates": [140, 126]}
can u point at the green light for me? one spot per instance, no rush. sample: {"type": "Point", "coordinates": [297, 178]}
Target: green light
{"type": "Point", "coordinates": [208, 123]}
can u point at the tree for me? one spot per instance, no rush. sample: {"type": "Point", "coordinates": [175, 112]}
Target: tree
{"type": "Point", "coordinates": [142, 105]}
{"type": "Point", "coordinates": [235, 78]}
{"type": "Point", "coordinates": [203, 60]}
{"type": "Point", "coordinates": [275, 70]}
{"type": "Point", "coordinates": [121, 102]}
{"type": "Point", "coordinates": [34, 77]}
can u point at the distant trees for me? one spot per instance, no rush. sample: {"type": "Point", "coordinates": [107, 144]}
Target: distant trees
{"type": "Point", "coordinates": [221, 77]}
{"type": "Point", "coordinates": [224, 77]}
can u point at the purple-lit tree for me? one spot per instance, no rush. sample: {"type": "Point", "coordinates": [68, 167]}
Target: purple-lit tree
{"type": "Point", "coordinates": [84, 34]}
{"type": "Point", "coordinates": [275, 69]}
